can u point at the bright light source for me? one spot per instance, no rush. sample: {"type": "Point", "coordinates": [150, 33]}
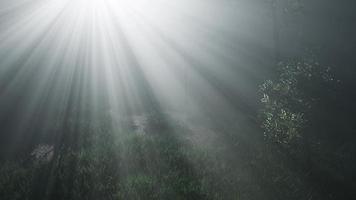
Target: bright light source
{"type": "Point", "coordinates": [115, 49]}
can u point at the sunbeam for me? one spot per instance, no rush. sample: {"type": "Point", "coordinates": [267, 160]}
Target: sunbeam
{"type": "Point", "coordinates": [176, 99]}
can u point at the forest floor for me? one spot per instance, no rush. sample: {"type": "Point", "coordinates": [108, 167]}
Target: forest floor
{"type": "Point", "coordinates": [152, 158]}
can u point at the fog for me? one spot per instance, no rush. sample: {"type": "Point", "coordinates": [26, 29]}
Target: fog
{"type": "Point", "coordinates": [143, 78]}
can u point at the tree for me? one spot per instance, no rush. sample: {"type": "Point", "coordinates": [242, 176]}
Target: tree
{"type": "Point", "coordinates": [287, 100]}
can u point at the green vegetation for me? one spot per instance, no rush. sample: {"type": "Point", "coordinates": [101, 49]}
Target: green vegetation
{"type": "Point", "coordinates": [292, 118]}
{"type": "Point", "coordinates": [288, 99]}
{"type": "Point", "coordinates": [162, 160]}
{"type": "Point", "coordinates": [110, 165]}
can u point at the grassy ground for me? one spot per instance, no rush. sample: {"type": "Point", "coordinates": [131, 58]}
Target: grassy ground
{"type": "Point", "coordinates": [151, 159]}
{"type": "Point", "coordinates": [157, 163]}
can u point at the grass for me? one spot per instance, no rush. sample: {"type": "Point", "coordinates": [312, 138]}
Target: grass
{"type": "Point", "coordinates": [161, 164]}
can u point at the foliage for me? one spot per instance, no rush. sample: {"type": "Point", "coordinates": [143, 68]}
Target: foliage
{"type": "Point", "coordinates": [15, 178]}
{"type": "Point", "coordinates": [105, 164]}
{"type": "Point", "coordinates": [287, 100]}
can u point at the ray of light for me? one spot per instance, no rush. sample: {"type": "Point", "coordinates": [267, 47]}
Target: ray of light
{"type": "Point", "coordinates": [122, 57]}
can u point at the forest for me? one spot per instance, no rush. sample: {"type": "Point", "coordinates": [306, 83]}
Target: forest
{"type": "Point", "coordinates": [177, 100]}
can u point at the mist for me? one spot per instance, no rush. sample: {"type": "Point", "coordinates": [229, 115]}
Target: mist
{"type": "Point", "coordinates": [189, 99]}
